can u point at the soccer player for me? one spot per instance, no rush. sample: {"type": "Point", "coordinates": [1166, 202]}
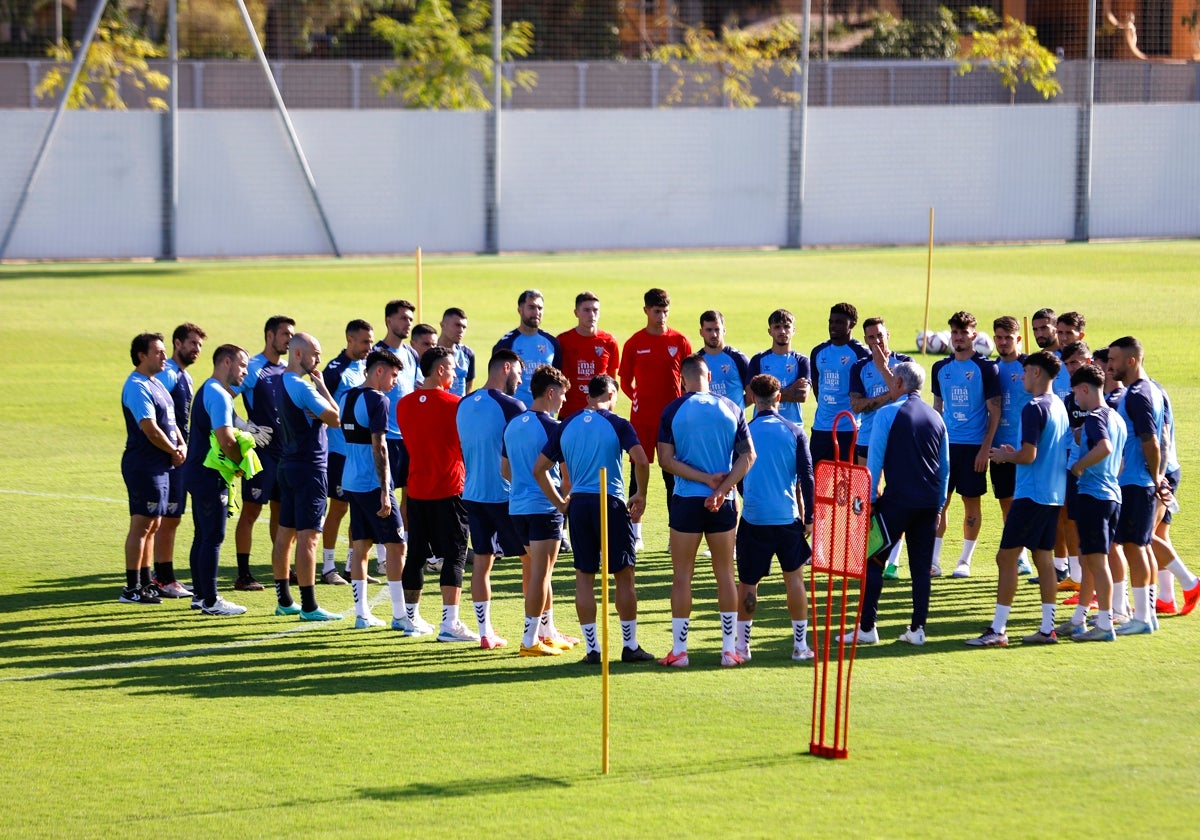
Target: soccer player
{"type": "Point", "coordinates": [910, 448]}
{"type": "Point", "coordinates": [966, 391]}
{"type": "Point", "coordinates": [703, 440]}
{"type": "Point", "coordinates": [785, 364]}
{"type": "Point", "coordinates": [649, 371]}
{"type": "Point", "coordinates": [537, 522]}
{"type": "Point", "coordinates": [1040, 491]}
{"type": "Point", "coordinates": [778, 499]}
{"type": "Point", "coordinates": [453, 328]}
{"type": "Point", "coordinates": [1074, 355]}
{"type": "Point", "coordinates": [346, 371]}
{"type": "Point", "coordinates": [1045, 335]}
{"type": "Point", "coordinates": [187, 341]}
{"type": "Point", "coordinates": [481, 420]}
{"type": "Point", "coordinates": [1095, 465]}
{"type": "Point", "coordinates": [588, 440]}
{"type": "Point", "coordinates": [212, 414]}
{"type": "Point", "coordinates": [1141, 478]}
{"type": "Point", "coordinates": [436, 517]}
{"type": "Point", "coordinates": [831, 363]}
{"type": "Point", "coordinates": [154, 447]}
{"type": "Point", "coordinates": [1170, 566]}
{"type": "Point", "coordinates": [587, 352]}
{"type": "Point", "coordinates": [532, 345]}
{"type": "Point", "coordinates": [258, 396]}
{"type": "Point", "coordinates": [1006, 331]}
{"type": "Point", "coordinates": [1068, 329]}
{"type": "Point", "coordinates": [729, 366]}
{"type": "Point", "coordinates": [368, 482]}
{"type": "Point", "coordinates": [423, 338]}
{"type": "Point", "coordinates": [306, 408]}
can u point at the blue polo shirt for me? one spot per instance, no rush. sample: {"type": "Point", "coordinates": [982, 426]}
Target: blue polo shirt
{"type": "Point", "coordinates": [178, 383]}
{"type": "Point", "coordinates": [587, 441]}
{"type": "Point", "coordinates": [1141, 408]}
{"type": "Point", "coordinates": [300, 406]}
{"type": "Point", "coordinates": [212, 409]}
{"type": "Point", "coordinates": [831, 365]}
{"type": "Point", "coordinates": [964, 388]}
{"type": "Point", "coordinates": [1100, 480]}
{"type": "Point", "coordinates": [144, 398]}
{"type": "Point", "coordinates": [704, 429]}
{"type": "Point", "coordinates": [1045, 425]}
{"type": "Point", "coordinates": [787, 368]}
{"type": "Point", "coordinates": [1012, 387]}
{"type": "Point", "coordinates": [525, 437]}
{"type": "Point", "coordinates": [539, 349]}
{"type": "Point", "coordinates": [782, 459]}
{"type": "Point", "coordinates": [866, 379]}
{"type": "Point", "coordinates": [730, 372]}
{"type": "Point", "coordinates": [917, 461]}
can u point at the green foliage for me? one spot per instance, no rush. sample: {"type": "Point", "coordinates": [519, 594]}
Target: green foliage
{"type": "Point", "coordinates": [444, 60]}
{"type": "Point", "coordinates": [1012, 51]}
{"type": "Point", "coordinates": [892, 37]}
{"type": "Point", "coordinates": [570, 30]}
{"type": "Point", "coordinates": [723, 68]}
{"type": "Point", "coordinates": [117, 56]}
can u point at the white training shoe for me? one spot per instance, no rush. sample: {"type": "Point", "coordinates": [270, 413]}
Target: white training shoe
{"type": "Point", "coordinates": [865, 637]}
{"type": "Point", "coordinates": [457, 632]}
{"type": "Point", "coordinates": [935, 570]}
{"type": "Point", "coordinates": [802, 654]}
{"type": "Point", "coordinates": [743, 652]}
{"type": "Point", "coordinates": [962, 570]}
{"type": "Point", "coordinates": [223, 607]}
{"type": "Point", "coordinates": [913, 637]}
{"type": "Point", "coordinates": [364, 622]}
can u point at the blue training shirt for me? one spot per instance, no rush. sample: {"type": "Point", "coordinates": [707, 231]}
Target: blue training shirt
{"type": "Point", "coordinates": [1045, 425]}
{"type": "Point", "coordinates": [340, 376]}
{"type": "Point", "coordinates": [730, 373]}
{"type": "Point", "coordinates": [917, 463]}
{"type": "Point", "coordinates": [481, 420]}
{"type": "Point", "coordinates": [1141, 408]}
{"type": "Point", "coordinates": [538, 349]}
{"type": "Point", "coordinates": [787, 368]}
{"type": "Point", "coordinates": [587, 441]}
{"type": "Point", "coordinates": [525, 437]}
{"type": "Point", "coordinates": [1012, 388]}
{"type": "Point", "coordinates": [866, 379]}
{"type": "Point", "coordinates": [464, 369]}
{"type": "Point", "coordinates": [704, 429]}
{"type": "Point", "coordinates": [212, 409]}
{"type": "Point", "coordinates": [964, 388]}
{"type": "Point", "coordinates": [178, 383]}
{"type": "Point", "coordinates": [300, 406]}
{"type": "Point", "coordinates": [782, 459]}
{"type": "Point", "coordinates": [258, 395]}
{"type": "Point", "coordinates": [368, 417]}
{"type": "Point", "coordinates": [1100, 480]}
{"type": "Point", "coordinates": [144, 398]}
{"type": "Point", "coordinates": [831, 365]}
{"type": "Point", "coordinates": [406, 382]}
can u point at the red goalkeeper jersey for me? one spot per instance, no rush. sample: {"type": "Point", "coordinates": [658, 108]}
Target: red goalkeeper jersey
{"type": "Point", "coordinates": [649, 370]}
{"type": "Point", "coordinates": [583, 357]}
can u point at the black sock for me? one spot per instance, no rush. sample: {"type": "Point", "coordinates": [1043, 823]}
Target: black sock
{"type": "Point", "coordinates": [144, 575]}
{"type": "Point", "coordinates": [131, 578]}
{"type": "Point", "coordinates": [165, 572]}
{"type": "Point", "coordinates": [243, 561]}
{"type": "Point", "coordinates": [308, 598]}
{"type": "Point", "coordinates": [283, 593]}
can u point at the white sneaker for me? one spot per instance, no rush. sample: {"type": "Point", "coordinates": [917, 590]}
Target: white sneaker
{"type": "Point", "coordinates": [743, 652]}
{"type": "Point", "coordinates": [802, 654]}
{"type": "Point", "coordinates": [865, 637]}
{"type": "Point", "coordinates": [409, 628]}
{"type": "Point", "coordinates": [962, 570]}
{"type": "Point", "coordinates": [913, 637]}
{"type": "Point", "coordinates": [457, 632]}
{"type": "Point", "coordinates": [935, 570]}
{"type": "Point", "coordinates": [638, 545]}
{"type": "Point", "coordinates": [223, 607]}
{"type": "Point", "coordinates": [365, 622]}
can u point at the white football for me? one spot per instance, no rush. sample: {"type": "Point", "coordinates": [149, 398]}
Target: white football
{"type": "Point", "coordinates": [929, 342]}
{"type": "Point", "coordinates": [984, 344]}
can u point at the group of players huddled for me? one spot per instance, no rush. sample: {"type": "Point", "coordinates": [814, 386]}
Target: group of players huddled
{"type": "Point", "coordinates": [396, 433]}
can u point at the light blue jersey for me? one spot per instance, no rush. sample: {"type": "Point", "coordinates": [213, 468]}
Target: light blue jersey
{"type": "Point", "coordinates": [1062, 382]}
{"type": "Point", "coordinates": [368, 417]}
{"type": "Point", "coordinates": [588, 441]}
{"type": "Point", "coordinates": [1045, 425]}
{"type": "Point", "coordinates": [705, 430]}
{"type": "Point", "coordinates": [406, 382]}
{"type": "Point", "coordinates": [787, 368]}
{"type": "Point", "coordinates": [340, 376]}
{"type": "Point", "coordinates": [1141, 408]}
{"type": "Point", "coordinates": [212, 409]}
{"type": "Point", "coordinates": [481, 420]}
{"type": "Point", "coordinates": [525, 437]}
{"type": "Point", "coordinates": [1012, 388]}
{"type": "Point", "coordinates": [730, 373]}
{"type": "Point", "coordinates": [143, 398]}
{"type": "Point", "coordinates": [464, 369]}
{"type": "Point", "coordinates": [1170, 454]}
{"type": "Point", "coordinates": [964, 388]}
{"type": "Point", "coordinates": [831, 365]}
{"type": "Point", "coordinates": [782, 459]}
{"type": "Point", "coordinates": [1100, 480]}
{"type": "Point", "coordinates": [538, 349]}
{"type": "Point", "coordinates": [866, 379]}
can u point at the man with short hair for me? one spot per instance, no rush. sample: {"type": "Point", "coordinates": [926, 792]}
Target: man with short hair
{"type": "Point", "coordinates": [778, 499]}
{"type": "Point", "coordinates": [729, 366]}
{"type": "Point", "coordinates": [966, 391]}
{"type": "Point", "coordinates": [187, 341]}
{"type": "Point", "coordinates": [258, 396]}
{"type": "Point", "coordinates": [1006, 332]}
{"type": "Point", "coordinates": [423, 338]}
{"type": "Point", "coordinates": [703, 440]}
{"type": "Point", "coordinates": [586, 442]}
{"type": "Point", "coordinates": [154, 447]}
{"type": "Point", "coordinates": [306, 408]}
{"type": "Point", "coordinates": [831, 362]}
{"type": "Point", "coordinates": [481, 419]}
{"type": "Point", "coordinates": [1068, 329]}
{"type": "Point", "coordinates": [785, 364]}
{"type": "Point", "coordinates": [587, 352]}
{"type": "Point", "coordinates": [1040, 492]}
{"type": "Point", "coordinates": [212, 414]}
{"type": "Point", "coordinates": [1074, 355]}
{"type": "Point", "coordinates": [534, 346]}
{"type": "Point", "coordinates": [453, 328]}
{"type": "Point", "coordinates": [1045, 335]}
{"type": "Point", "coordinates": [346, 371]}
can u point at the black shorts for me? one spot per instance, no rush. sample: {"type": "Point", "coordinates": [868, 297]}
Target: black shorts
{"type": "Point", "coordinates": [148, 491]}
{"type": "Point", "coordinates": [820, 445]}
{"type": "Point", "coordinates": [757, 544]}
{"type": "Point", "coordinates": [1004, 479]}
{"type": "Point", "coordinates": [302, 497]}
{"type": "Point", "coordinates": [492, 529]}
{"type": "Point", "coordinates": [176, 495]}
{"type": "Point", "coordinates": [333, 476]}
{"type": "Point", "coordinates": [1030, 525]}
{"type": "Point", "coordinates": [688, 515]}
{"type": "Point", "coordinates": [1096, 522]}
{"type": "Point", "coordinates": [1135, 525]}
{"type": "Point", "coordinates": [1072, 497]}
{"type": "Point", "coordinates": [264, 487]}
{"type": "Point", "coordinates": [366, 524]}
{"type": "Point", "coordinates": [584, 515]}
{"type": "Point", "coordinates": [436, 528]}
{"type": "Point", "coordinates": [398, 462]}
{"type": "Point", "coordinates": [1172, 478]}
{"type": "Point", "coordinates": [963, 479]}
{"type": "Point", "coordinates": [536, 527]}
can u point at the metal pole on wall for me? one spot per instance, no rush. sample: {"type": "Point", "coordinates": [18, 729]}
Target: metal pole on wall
{"type": "Point", "coordinates": [76, 68]}
{"type": "Point", "coordinates": [797, 130]}
{"type": "Point", "coordinates": [171, 140]}
{"type": "Point", "coordinates": [492, 156]}
{"type": "Point", "coordinates": [1083, 186]}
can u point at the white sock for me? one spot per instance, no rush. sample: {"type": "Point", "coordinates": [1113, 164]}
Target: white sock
{"type": "Point", "coordinates": [360, 597]}
{"type": "Point", "coordinates": [1000, 621]}
{"type": "Point", "coordinates": [396, 590]}
{"type": "Point", "coordinates": [330, 563]}
{"type": "Point", "coordinates": [679, 633]}
{"type": "Point", "coordinates": [531, 629]}
{"type": "Point", "coordinates": [1060, 563]}
{"type": "Point", "coordinates": [637, 530]}
{"type": "Point", "coordinates": [1074, 570]}
{"type": "Point", "coordinates": [968, 550]}
{"type": "Point", "coordinates": [449, 615]}
{"type": "Point", "coordinates": [1080, 615]}
{"type": "Point", "coordinates": [1141, 603]}
{"type": "Point", "coordinates": [800, 633]}
{"type": "Point", "coordinates": [1104, 620]}
{"type": "Point", "coordinates": [1166, 586]}
{"type": "Point", "coordinates": [629, 634]}
{"type": "Point", "coordinates": [589, 637]}
{"type": "Point", "coordinates": [380, 557]}
{"type": "Point", "coordinates": [413, 610]}
{"type": "Point", "coordinates": [1182, 573]}
{"type": "Point", "coordinates": [894, 557]}
{"type": "Point", "coordinates": [743, 634]}
{"type": "Point", "coordinates": [349, 556]}
{"type": "Point", "coordinates": [937, 551]}
{"type": "Point", "coordinates": [1023, 557]}
{"type": "Point", "coordinates": [545, 625]}
{"type": "Point", "coordinates": [1152, 598]}
{"type": "Point", "coordinates": [728, 631]}
{"type": "Point", "coordinates": [1047, 618]}
{"type": "Point", "coordinates": [1120, 601]}
{"type": "Point", "coordinates": [483, 617]}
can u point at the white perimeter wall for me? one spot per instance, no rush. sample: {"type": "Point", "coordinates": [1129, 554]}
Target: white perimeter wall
{"type": "Point", "coordinates": [595, 179]}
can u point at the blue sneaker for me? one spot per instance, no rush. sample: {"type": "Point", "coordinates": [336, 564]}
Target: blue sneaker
{"type": "Point", "coordinates": [291, 609]}
{"type": "Point", "coordinates": [1135, 627]}
{"type": "Point", "coordinates": [366, 622]}
{"type": "Point", "coordinates": [1094, 635]}
{"type": "Point", "coordinates": [320, 614]}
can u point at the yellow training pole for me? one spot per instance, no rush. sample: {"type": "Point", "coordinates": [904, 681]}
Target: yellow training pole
{"type": "Point", "coordinates": [1026, 335]}
{"type": "Point", "coordinates": [604, 620]}
{"type": "Point", "coordinates": [928, 280]}
{"type": "Point", "coordinates": [419, 284]}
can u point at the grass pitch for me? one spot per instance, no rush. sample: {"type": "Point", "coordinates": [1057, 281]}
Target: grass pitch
{"type": "Point", "coordinates": [130, 721]}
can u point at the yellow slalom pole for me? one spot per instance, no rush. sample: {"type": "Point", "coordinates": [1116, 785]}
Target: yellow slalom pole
{"type": "Point", "coordinates": [604, 620]}
{"type": "Point", "coordinates": [1026, 335]}
{"type": "Point", "coordinates": [928, 280]}
{"type": "Point", "coordinates": [419, 284]}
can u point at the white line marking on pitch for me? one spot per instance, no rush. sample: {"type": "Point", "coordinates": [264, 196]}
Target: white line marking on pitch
{"type": "Point", "coordinates": [63, 496]}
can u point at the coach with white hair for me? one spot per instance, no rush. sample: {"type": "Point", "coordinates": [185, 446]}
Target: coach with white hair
{"type": "Point", "coordinates": [910, 452]}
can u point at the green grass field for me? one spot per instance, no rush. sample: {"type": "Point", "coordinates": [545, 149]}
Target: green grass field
{"type": "Point", "coordinates": [124, 721]}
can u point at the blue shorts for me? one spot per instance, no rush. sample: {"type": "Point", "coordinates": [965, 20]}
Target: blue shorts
{"type": "Point", "coordinates": [366, 524]}
{"type": "Point", "coordinates": [1004, 479]}
{"type": "Point", "coordinates": [820, 445]}
{"type": "Point", "coordinates": [398, 462]}
{"type": "Point", "coordinates": [492, 529]}
{"type": "Point", "coordinates": [757, 544]}
{"type": "Point", "coordinates": [963, 479]}
{"type": "Point", "coordinates": [534, 527]}
{"type": "Point", "coordinates": [148, 491]}
{"type": "Point", "coordinates": [583, 513]}
{"type": "Point", "coordinates": [302, 497]}
{"type": "Point", "coordinates": [1173, 482]}
{"type": "Point", "coordinates": [333, 476]}
{"type": "Point", "coordinates": [1096, 522]}
{"type": "Point", "coordinates": [264, 487]}
{"type": "Point", "coordinates": [688, 515]}
{"type": "Point", "coordinates": [1135, 525]}
{"type": "Point", "coordinates": [1030, 525]}
{"type": "Point", "coordinates": [176, 496]}
{"type": "Point", "coordinates": [1072, 497]}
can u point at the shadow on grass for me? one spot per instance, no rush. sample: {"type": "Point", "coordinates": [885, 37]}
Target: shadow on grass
{"type": "Point", "coordinates": [454, 788]}
{"type": "Point", "coordinates": [86, 271]}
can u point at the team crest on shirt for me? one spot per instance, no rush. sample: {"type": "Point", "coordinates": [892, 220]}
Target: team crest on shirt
{"type": "Point", "coordinates": [599, 350]}
{"type": "Point", "coordinates": [542, 349]}
{"type": "Point", "coordinates": [1015, 377]}
{"type": "Point", "coordinates": [587, 418]}
{"type": "Point", "coordinates": [672, 351]}
{"type": "Point", "coordinates": [724, 368]}
{"type": "Point", "coordinates": [525, 419]}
